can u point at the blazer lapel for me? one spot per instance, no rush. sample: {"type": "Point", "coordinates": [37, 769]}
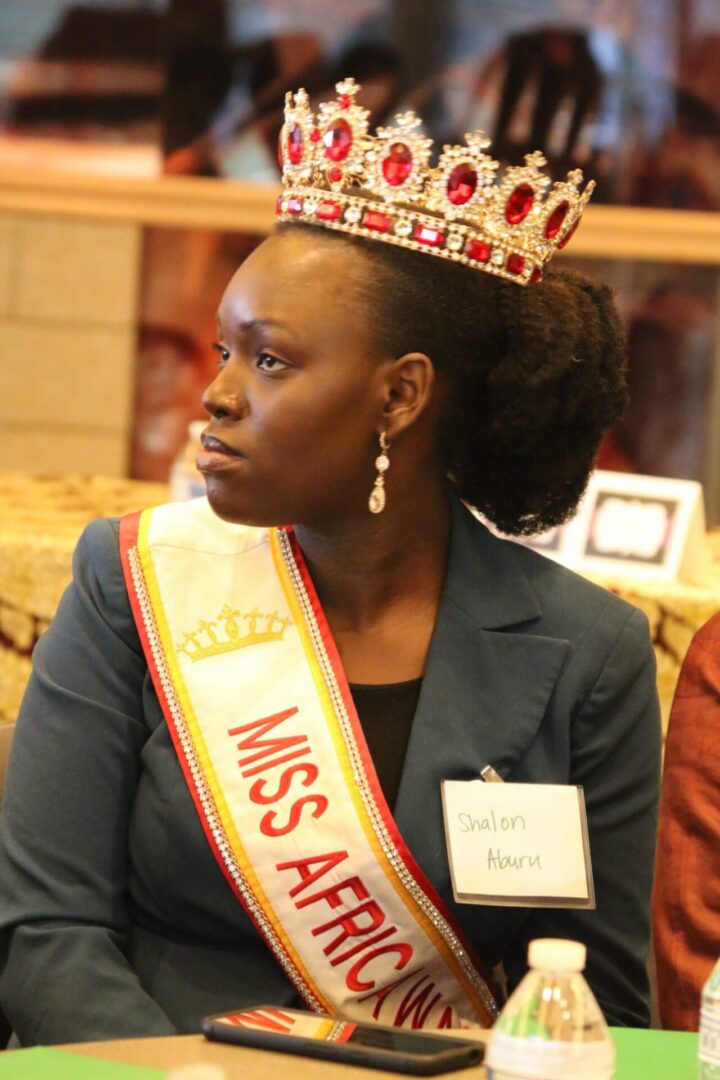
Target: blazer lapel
{"type": "Point", "coordinates": [487, 683]}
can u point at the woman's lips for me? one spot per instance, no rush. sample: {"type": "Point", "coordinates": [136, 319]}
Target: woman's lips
{"type": "Point", "coordinates": [216, 455]}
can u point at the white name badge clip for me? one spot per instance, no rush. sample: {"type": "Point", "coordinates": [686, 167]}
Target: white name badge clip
{"type": "Point", "coordinates": [517, 845]}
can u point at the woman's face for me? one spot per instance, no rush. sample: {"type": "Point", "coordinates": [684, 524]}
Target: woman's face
{"type": "Point", "coordinates": [297, 404]}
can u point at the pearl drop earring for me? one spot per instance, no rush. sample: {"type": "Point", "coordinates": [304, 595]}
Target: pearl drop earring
{"type": "Point", "coordinates": [377, 500]}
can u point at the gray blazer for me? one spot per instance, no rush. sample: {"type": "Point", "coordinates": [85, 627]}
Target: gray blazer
{"type": "Point", "coordinates": [115, 919]}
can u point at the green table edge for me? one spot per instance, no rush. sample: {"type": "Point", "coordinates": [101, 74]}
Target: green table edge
{"type": "Point", "coordinates": [644, 1054]}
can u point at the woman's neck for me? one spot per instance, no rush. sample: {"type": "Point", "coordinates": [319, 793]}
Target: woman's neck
{"type": "Point", "coordinates": [395, 561]}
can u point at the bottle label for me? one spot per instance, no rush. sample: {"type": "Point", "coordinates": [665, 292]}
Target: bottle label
{"type": "Point", "coordinates": [514, 1057]}
{"type": "Point", "coordinates": [709, 1044]}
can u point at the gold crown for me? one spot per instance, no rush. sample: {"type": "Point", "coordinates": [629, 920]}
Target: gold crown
{"type": "Point", "coordinates": [205, 640]}
{"type": "Point", "coordinates": [338, 176]}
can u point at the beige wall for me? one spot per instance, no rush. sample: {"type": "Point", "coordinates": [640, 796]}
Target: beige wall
{"type": "Point", "coordinates": [68, 299]}
{"type": "Point", "coordinates": [69, 268]}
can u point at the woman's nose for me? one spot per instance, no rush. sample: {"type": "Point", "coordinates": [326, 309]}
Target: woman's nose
{"type": "Point", "coordinates": [224, 396]}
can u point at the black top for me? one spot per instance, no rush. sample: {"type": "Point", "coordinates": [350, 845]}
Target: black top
{"type": "Point", "coordinates": [386, 714]}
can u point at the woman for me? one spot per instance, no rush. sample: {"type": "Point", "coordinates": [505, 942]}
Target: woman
{"type": "Point", "coordinates": [363, 390]}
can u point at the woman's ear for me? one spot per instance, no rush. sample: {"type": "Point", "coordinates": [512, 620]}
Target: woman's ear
{"type": "Point", "coordinates": [410, 385]}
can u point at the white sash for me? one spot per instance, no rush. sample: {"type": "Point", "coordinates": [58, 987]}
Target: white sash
{"type": "Point", "coordinates": [258, 706]}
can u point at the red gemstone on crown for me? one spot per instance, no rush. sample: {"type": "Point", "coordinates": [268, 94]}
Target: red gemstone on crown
{"type": "Point", "coordinates": [478, 250]}
{"type": "Point", "coordinates": [425, 235]}
{"type": "Point", "coordinates": [279, 205]}
{"type": "Point", "coordinates": [335, 174]}
{"type": "Point", "coordinates": [375, 221]}
{"type": "Point", "coordinates": [315, 134]}
{"type": "Point", "coordinates": [338, 140]}
{"type": "Point", "coordinates": [328, 211]}
{"type": "Point", "coordinates": [461, 185]}
{"type": "Point", "coordinates": [568, 235]}
{"type": "Point", "coordinates": [295, 144]}
{"type": "Point", "coordinates": [344, 101]}
{"type": "Point", "coordinates": [515, 264]}
{"type": "Point", "coordinates": [518, 205]}
{"type": "Point", "coordinates": [554, 223]}
{"type": "Point", "coordinates": [397, 166]}
{"type": "Point", "coordinates": [536, 275]}
{"type": "Point", "coordinates": [294, 206]}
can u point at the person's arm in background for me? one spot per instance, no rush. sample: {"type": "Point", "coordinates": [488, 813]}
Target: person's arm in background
{"type": "Point", "coordinates": [615, 756]}
{"type": "Point", "coordinates": [73, 770]}
{"type": "Point", "coordinates": [686, 902]}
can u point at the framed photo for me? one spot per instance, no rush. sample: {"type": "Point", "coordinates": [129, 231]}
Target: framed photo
{"type": "Point", "coordinates": [639, 526]}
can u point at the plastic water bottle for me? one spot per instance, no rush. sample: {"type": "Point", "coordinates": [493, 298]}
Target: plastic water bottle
{"type": "Point", "coordinates": [709, 1041]}
{"type": "Point", "coordinates": [551, 1027]}
{"type": "Point", "coordinates": [185, 481]}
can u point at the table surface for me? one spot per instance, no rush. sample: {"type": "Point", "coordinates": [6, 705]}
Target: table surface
{"type": "Point", "coordinates": [183, 1051]}
{"type": "Point", "coordinates": [642, 1055]}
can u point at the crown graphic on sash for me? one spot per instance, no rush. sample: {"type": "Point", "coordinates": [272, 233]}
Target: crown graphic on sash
{"type": "Point", "coordinates": [338, 176]}
{"type": "Point", "coordinates": [226, 633]}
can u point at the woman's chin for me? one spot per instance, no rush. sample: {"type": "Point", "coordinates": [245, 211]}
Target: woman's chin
{"type": "Point", "coordinates": [237, 511]}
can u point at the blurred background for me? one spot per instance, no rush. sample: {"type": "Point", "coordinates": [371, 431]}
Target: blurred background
{"type": "Point", "coordinates": [114, 89]}
{"type": "Point", "coordinates": [138, 167]}
{"type": "Point", "coordinates": [119, 306]}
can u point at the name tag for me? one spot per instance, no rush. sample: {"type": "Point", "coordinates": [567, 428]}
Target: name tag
{"type": "Point", "coordinates": [518, 845]}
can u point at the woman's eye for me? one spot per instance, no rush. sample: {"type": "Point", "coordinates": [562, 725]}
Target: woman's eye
{"type": "Point", "coordinates": [222, 352]}
{"type": "Point", "coordinates": [268, 362]}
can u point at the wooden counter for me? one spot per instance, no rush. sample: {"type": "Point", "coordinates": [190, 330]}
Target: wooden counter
{"type": "Point", "coordinates": [71, 272]}
{"type": "Point", "coordinates": [613, 232]}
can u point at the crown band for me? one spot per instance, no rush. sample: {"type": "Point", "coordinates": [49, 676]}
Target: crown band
{"type": "Point", "coordinates": [382, 187]}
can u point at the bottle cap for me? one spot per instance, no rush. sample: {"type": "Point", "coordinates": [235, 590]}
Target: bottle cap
{"type": "Point", "coordinates": [556, 954]}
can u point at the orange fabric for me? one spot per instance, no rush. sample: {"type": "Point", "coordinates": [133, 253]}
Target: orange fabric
{"type": "Point", "coordinates": [686, 903]}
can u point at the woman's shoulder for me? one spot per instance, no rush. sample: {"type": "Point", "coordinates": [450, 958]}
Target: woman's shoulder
{"type": "Point", "coordinates": [98, 547]}
{"type": "Point", "coordinates": [559, 587]}
{"type": "Point", "coordinates": [99, 542]}
{"type": "Point", "coordinates": [97, 568]}
{"type": "Point", "coordinates": [610, 655]}
{"type": "Point", "coordinates": [610, 645]}
{"type": "Point", "coordinates": [97, 553]}
{"type": "Point", "coordinates": [606, 631]}
{"type": "Point", "coordinates": [567, 605]}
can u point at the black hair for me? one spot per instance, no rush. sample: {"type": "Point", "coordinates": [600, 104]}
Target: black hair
{"type": "Point", "coordinates": [536, 375]}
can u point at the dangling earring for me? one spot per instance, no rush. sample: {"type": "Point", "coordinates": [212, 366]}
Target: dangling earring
{"type": "Point", "coordinates": [376, 502]}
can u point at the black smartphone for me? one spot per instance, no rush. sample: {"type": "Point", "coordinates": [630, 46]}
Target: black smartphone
{"type": "Point", "coordinates": [373, 1045]}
